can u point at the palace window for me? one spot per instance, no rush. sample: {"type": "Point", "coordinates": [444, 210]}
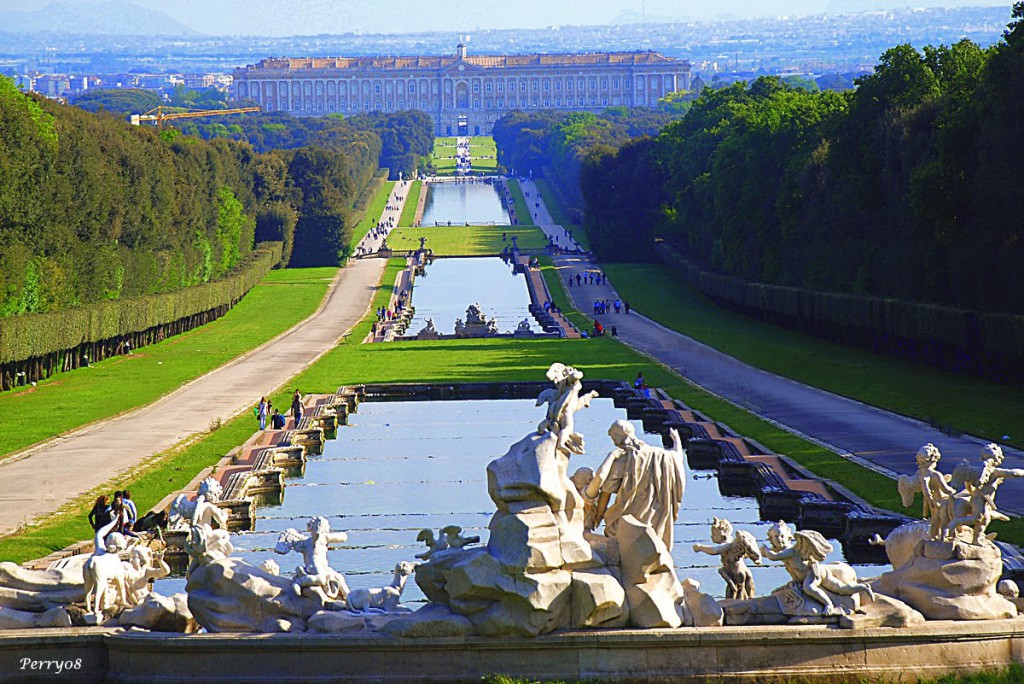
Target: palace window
{"type": "Point", "coordinates": [547, 86]}
{"type": "Point", "coordinates": [412, 88]}
{"type": "Point", "coordinates": [615, 84]}
{"type": "Point", "coordinates": [536, 86]}
{"type": "Point", "coordinates": [487, 87]}
{"type": "Point", "coordinates": [501, 87]}
{"type": "Point", "coordinates": [476, 87]}
{"type": "Point", "coordinates": [376, 88]}
{"type": "Point", "coordinates": [558, 86]}
{"type": "Point", "coordinates": [511, 86]}
{"type": "Point", "coordinates": [593, 84]}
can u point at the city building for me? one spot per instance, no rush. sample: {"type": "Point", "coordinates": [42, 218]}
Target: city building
{"type": "Point", "coordinates": [463, 93]}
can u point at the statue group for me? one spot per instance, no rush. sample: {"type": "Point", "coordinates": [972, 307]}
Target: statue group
{"type": "Point", "coordinates": [586, 550]}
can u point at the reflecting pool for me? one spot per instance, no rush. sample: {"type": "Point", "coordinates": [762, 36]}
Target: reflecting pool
{"type": "Point", "coordinates": [460, 203]}
{"type": "Point", "coordinates": [402, 466]}
{"type": "Point", "coordinates": [451, 285]}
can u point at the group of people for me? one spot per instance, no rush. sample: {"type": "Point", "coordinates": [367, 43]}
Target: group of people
{"type": "Point", "coordinates": [589, 278]}
{"type": "Point", "coordinates": [121, 511]}
{"type": "Point", "coordinates": [264, 411]}
{"type": "Point", "coordinates": [606, 306]}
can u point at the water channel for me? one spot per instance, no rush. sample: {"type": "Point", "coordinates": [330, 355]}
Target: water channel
{"type": "Point", "coordinates": [403, 466]}
{"type": "Point", "coordinates": [461, 203]}
{"type": "Point", "coordinates": [451, 285]}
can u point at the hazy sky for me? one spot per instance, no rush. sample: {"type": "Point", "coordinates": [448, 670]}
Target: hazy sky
{"type": "Point", "coordinates": [291, 17]}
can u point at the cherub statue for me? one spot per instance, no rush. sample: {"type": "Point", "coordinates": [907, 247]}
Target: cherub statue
{"type": "Point", "coordinates": [315, 573]}
{"type": "Point", "coordinates": [733, 547]}
{"type": "Point", "coordinates": [144, 565]}
{"type": "Point", "coordinates": [981, 488]}
{"type": "Point", "coordinates": [803, 554]}
{"type": "Point", "coordinates": [935, 491]}
{"type": "Point", "coordinates": [563, 401]}
{"type": "Point", "coordinates": [183, 512]}
{"type": "Point", "coordinates": [104, 573]}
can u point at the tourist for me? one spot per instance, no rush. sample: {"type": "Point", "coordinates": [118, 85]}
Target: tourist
{"type": "Point", "coordinates": [618, 306]}
{"type": "Point", "coordinates": [615, 332]}
{"type": "Point", "coordinates": [129, 506]}
{"type": "Point", "coordinates": [277, 420]}
{"type": "Point", "coordinates": [297, 407]}
{"type": "Point", "coordinates": [639, 382]}
{"type": "Point", "coordinates": [626, 306]}
{"type": "Point", "coordinates": [151, 522]}
{"type": "Point", "coordinates": [99, 516]}
{"type": "Point", "coordinates": [261, 413]}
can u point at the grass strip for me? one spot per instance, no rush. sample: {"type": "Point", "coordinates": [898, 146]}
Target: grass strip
{"type": "Point", "coordinates": [466, 240]}
{"type": "Point", "coordinates": [519, 205]}
{"type": "Point", "coordinates": [374, 210]}
{"type": "Point", "coordinates": [70, 400]}
{"type": "Point", "coordinates": [970, 405]}
{"type": "Point", "coordinates": [412, 199]}
{"type": "Point", "coordinates": [559, 214]}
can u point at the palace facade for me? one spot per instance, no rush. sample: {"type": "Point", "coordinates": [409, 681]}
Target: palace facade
{"type": "Point", "coordinates": [463, 93]}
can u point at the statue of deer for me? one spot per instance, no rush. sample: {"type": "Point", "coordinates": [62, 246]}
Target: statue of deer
{"type": "Point", "coordinates": [383, 599]}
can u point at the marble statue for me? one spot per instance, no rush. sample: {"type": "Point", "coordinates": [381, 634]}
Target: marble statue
{"type": "Point", "coordinates": [144, 566]}
{"type": "Point", "coordinates": [647, 482]}
{"type": "Point", "coordinates": [315, 573]}
{"type": "Point", "coordinates": [460, 327]}
{"type": "Point", "coordinates": [492, 327]}
{"type": "Point", "coordinates": [105, 583]}
{"type": "Point", "coordinates": [981, 494]}
{"type": "Point", "coordinates": [429, 328]}
{"type": "Point", "coordinates": [935, 491]}
{"type": "Point", "coordinates": [803, 555]}
{"type": "Point", "coordinates": [733, 547]}
{"type": "Point", "coordinates": [203, 547]}
{"type": "Point", "coordinates": [474, 314]}
{"type": "Point", "coordinates": [382, 599]}
{"type": "Point", "coordinates": [270, 567]}
{"type": "Point", "coordinates": [563, 401]}
{"type": "Point", "coordinates": [426, 536]}
{"type": "Point", "coordinates": [524, 328]}
{"type": "Point", "coordinates": [183, 511]}
{"type": "Point", "coordinates": [454, 539]}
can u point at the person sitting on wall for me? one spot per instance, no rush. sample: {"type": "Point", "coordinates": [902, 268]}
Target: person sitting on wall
{"type": "Point", "coordinates": [277, 420]}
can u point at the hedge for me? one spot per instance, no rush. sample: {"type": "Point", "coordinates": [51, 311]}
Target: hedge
{"type": "Point", "coordinates": [51, 336]}
{"type": "Point", "coordinates": [984, 344]}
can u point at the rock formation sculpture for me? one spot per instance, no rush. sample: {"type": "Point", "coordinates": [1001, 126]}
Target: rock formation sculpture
{"type": "Point", "coordinates": [732, 547]}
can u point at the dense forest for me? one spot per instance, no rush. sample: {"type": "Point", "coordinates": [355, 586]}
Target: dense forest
{"type": "Point", "coordinates": [554, 144]}
{"type": "Point", "coordinates": [405, 137]}
{"type": "Point", "coordinates": [910, 186]}
{"type": "Point", "coordinates": [93, 209]}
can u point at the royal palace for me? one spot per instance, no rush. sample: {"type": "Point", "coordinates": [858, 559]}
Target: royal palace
{"type": "Point", "coordinates": [463, 93]}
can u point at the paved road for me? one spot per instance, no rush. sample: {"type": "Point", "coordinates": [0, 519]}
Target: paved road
{"type": "Point", "coordinates": [42, 479]}
{"type": "Point", "coordinates": [556, 233]}
{"type": "Point", "coordinates": [878, 439]}
{"type": "Point", "coordinates": [388, 220]}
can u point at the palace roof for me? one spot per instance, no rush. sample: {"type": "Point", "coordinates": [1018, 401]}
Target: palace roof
{"type": "Point", "coordinates": [485, 61]}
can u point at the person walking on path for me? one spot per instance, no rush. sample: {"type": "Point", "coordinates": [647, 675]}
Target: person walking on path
{"type": "Point", "coordinates": [297, 407]}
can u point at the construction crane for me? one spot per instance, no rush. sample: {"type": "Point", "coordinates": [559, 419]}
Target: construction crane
{"type": "Point", "coordinates": [159, 117]}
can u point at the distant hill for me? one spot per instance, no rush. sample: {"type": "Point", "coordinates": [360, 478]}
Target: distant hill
{"type": "Point", "coordinates": [114, 17]}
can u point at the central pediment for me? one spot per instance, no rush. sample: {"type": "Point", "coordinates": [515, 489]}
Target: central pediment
{"type": "Point", "coordinates": [462, 68]}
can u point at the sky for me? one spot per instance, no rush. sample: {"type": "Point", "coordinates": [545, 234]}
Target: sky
{"type": "Point", "coordinates": [308, 17]}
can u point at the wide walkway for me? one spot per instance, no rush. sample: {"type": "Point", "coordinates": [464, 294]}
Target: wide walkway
{"type": "Point", "coordinates": [876, 438]}
{"type": "Point", "coordinates": [41, 480]}
{"type": "Point", "coordinates": [388, 221]}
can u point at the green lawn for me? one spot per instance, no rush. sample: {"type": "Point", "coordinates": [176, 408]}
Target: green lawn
{"type": "Point", "coordinates": [374, 210]}
{"type": "Point", "coordinates": [71, 400]}
{"type": "Point", "coordinates": [466, 240]}
{"type": "Point", "coordinates": [522, 209]}
{"type": "Point", "coordinates": [560, 296]}
{"type": "Point", "coordinates": [558, 213]}
{"type": "Point", "coordinates": [167, 472]}
{"type": "Point", "coordinates": [970, 405]}
{"type": "Point", "coordinates": [412, 198]}
{"type": "Point", "coordinates": [442, 157]}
